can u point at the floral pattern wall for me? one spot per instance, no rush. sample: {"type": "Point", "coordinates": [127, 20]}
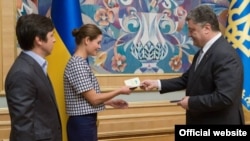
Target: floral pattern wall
{"type": "Point", "coordinates": [139, 36]}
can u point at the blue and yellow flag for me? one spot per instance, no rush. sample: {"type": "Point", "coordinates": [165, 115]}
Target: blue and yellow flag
{"type": "Point", "coordinates": [238, 33]}
{"type": "Point", "coordinates": [66, 16]}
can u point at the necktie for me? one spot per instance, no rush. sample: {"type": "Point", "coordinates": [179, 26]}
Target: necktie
{"type": "Point", "coordinates": [44, 66]}
{"type": "Point", "coordinates": [198, 59]}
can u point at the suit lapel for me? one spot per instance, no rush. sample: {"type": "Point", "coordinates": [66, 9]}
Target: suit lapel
{"type": "Point", "coordinates": [51, 89]}
{"type": "Point", "coordinates": [195, 74]}
{"type": "Point", "coordinates": [46, 80]}
{"type": "Point", "coordinates": [40, 73]}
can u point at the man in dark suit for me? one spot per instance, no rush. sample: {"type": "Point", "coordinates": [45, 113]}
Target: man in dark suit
{"type": "Point", "coordinates": [30, 95]}
{"type": "Point", "coordinates": [213, 83]}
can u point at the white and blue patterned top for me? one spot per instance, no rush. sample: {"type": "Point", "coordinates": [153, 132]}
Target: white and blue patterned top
{"type": "Point", "coordinates": [79, 78]}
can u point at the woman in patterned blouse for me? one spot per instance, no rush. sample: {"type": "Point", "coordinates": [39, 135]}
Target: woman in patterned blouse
{"type": "Point", "coordinates": [82, 92]}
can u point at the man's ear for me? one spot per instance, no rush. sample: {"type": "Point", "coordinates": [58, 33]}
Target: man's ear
{"type": "Point", "coordinates": [38, 41]}
{"type": "Point", "coordinates": [207, 27]}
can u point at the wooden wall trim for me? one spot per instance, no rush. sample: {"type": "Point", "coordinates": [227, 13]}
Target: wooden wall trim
{"type": "Point", "coordinates": [128, 124]}
{"type": "Point", "coordinates": [1, 52]}
{"type": "Point", "coordinates": [110, 82]}
{"type": "Point", "coordinates": [145, 132]}
{"type": "Point", "coordinates": [139, 120]}
{"type": "Point", "coordinates": [7, 38]}
{"type": "Point", "coordinates": [155, 137]}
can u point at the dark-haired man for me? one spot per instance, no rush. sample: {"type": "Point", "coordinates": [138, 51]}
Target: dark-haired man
{"type": "Point", "coordinates": [214, 81]}
{"type": "Point", "coordinates": [30, 95]}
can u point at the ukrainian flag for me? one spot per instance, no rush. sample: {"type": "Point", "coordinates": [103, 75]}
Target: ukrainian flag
{"type": "Point", "coordinates": [238, 34]}
{"type": "Point", "coordinates": [66, 16]}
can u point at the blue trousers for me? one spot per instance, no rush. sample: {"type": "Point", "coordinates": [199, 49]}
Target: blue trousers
{"type": "Point", "coordinates": [82, 128]}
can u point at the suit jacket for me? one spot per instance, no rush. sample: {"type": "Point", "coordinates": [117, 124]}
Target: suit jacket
{"type": "Point", "coordinates": [31, 102]}
{"type": "Point", "coordinates": [215, 87]}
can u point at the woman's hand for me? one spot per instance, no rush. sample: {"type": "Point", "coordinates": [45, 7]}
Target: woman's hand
{"type": "Point", "coordinates": [117, 103]}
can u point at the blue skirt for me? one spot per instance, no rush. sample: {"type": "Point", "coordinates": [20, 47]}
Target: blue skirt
{"type": "Point", "coordinates": [82, 128]}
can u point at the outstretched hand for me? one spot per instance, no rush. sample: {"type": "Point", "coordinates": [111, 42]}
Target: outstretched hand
{"type": "Point", "coordinates": [149, 85]}
{"type": "Point", "coordinates": [118, 104]}
{"type": "Point", "coordinates": [126, 90]}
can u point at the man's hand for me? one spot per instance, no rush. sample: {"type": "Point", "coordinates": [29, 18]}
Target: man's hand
{"type": "Point", "coordinates": [184, 102]}
{"type": "Point", "coordinates": [149, 84]}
